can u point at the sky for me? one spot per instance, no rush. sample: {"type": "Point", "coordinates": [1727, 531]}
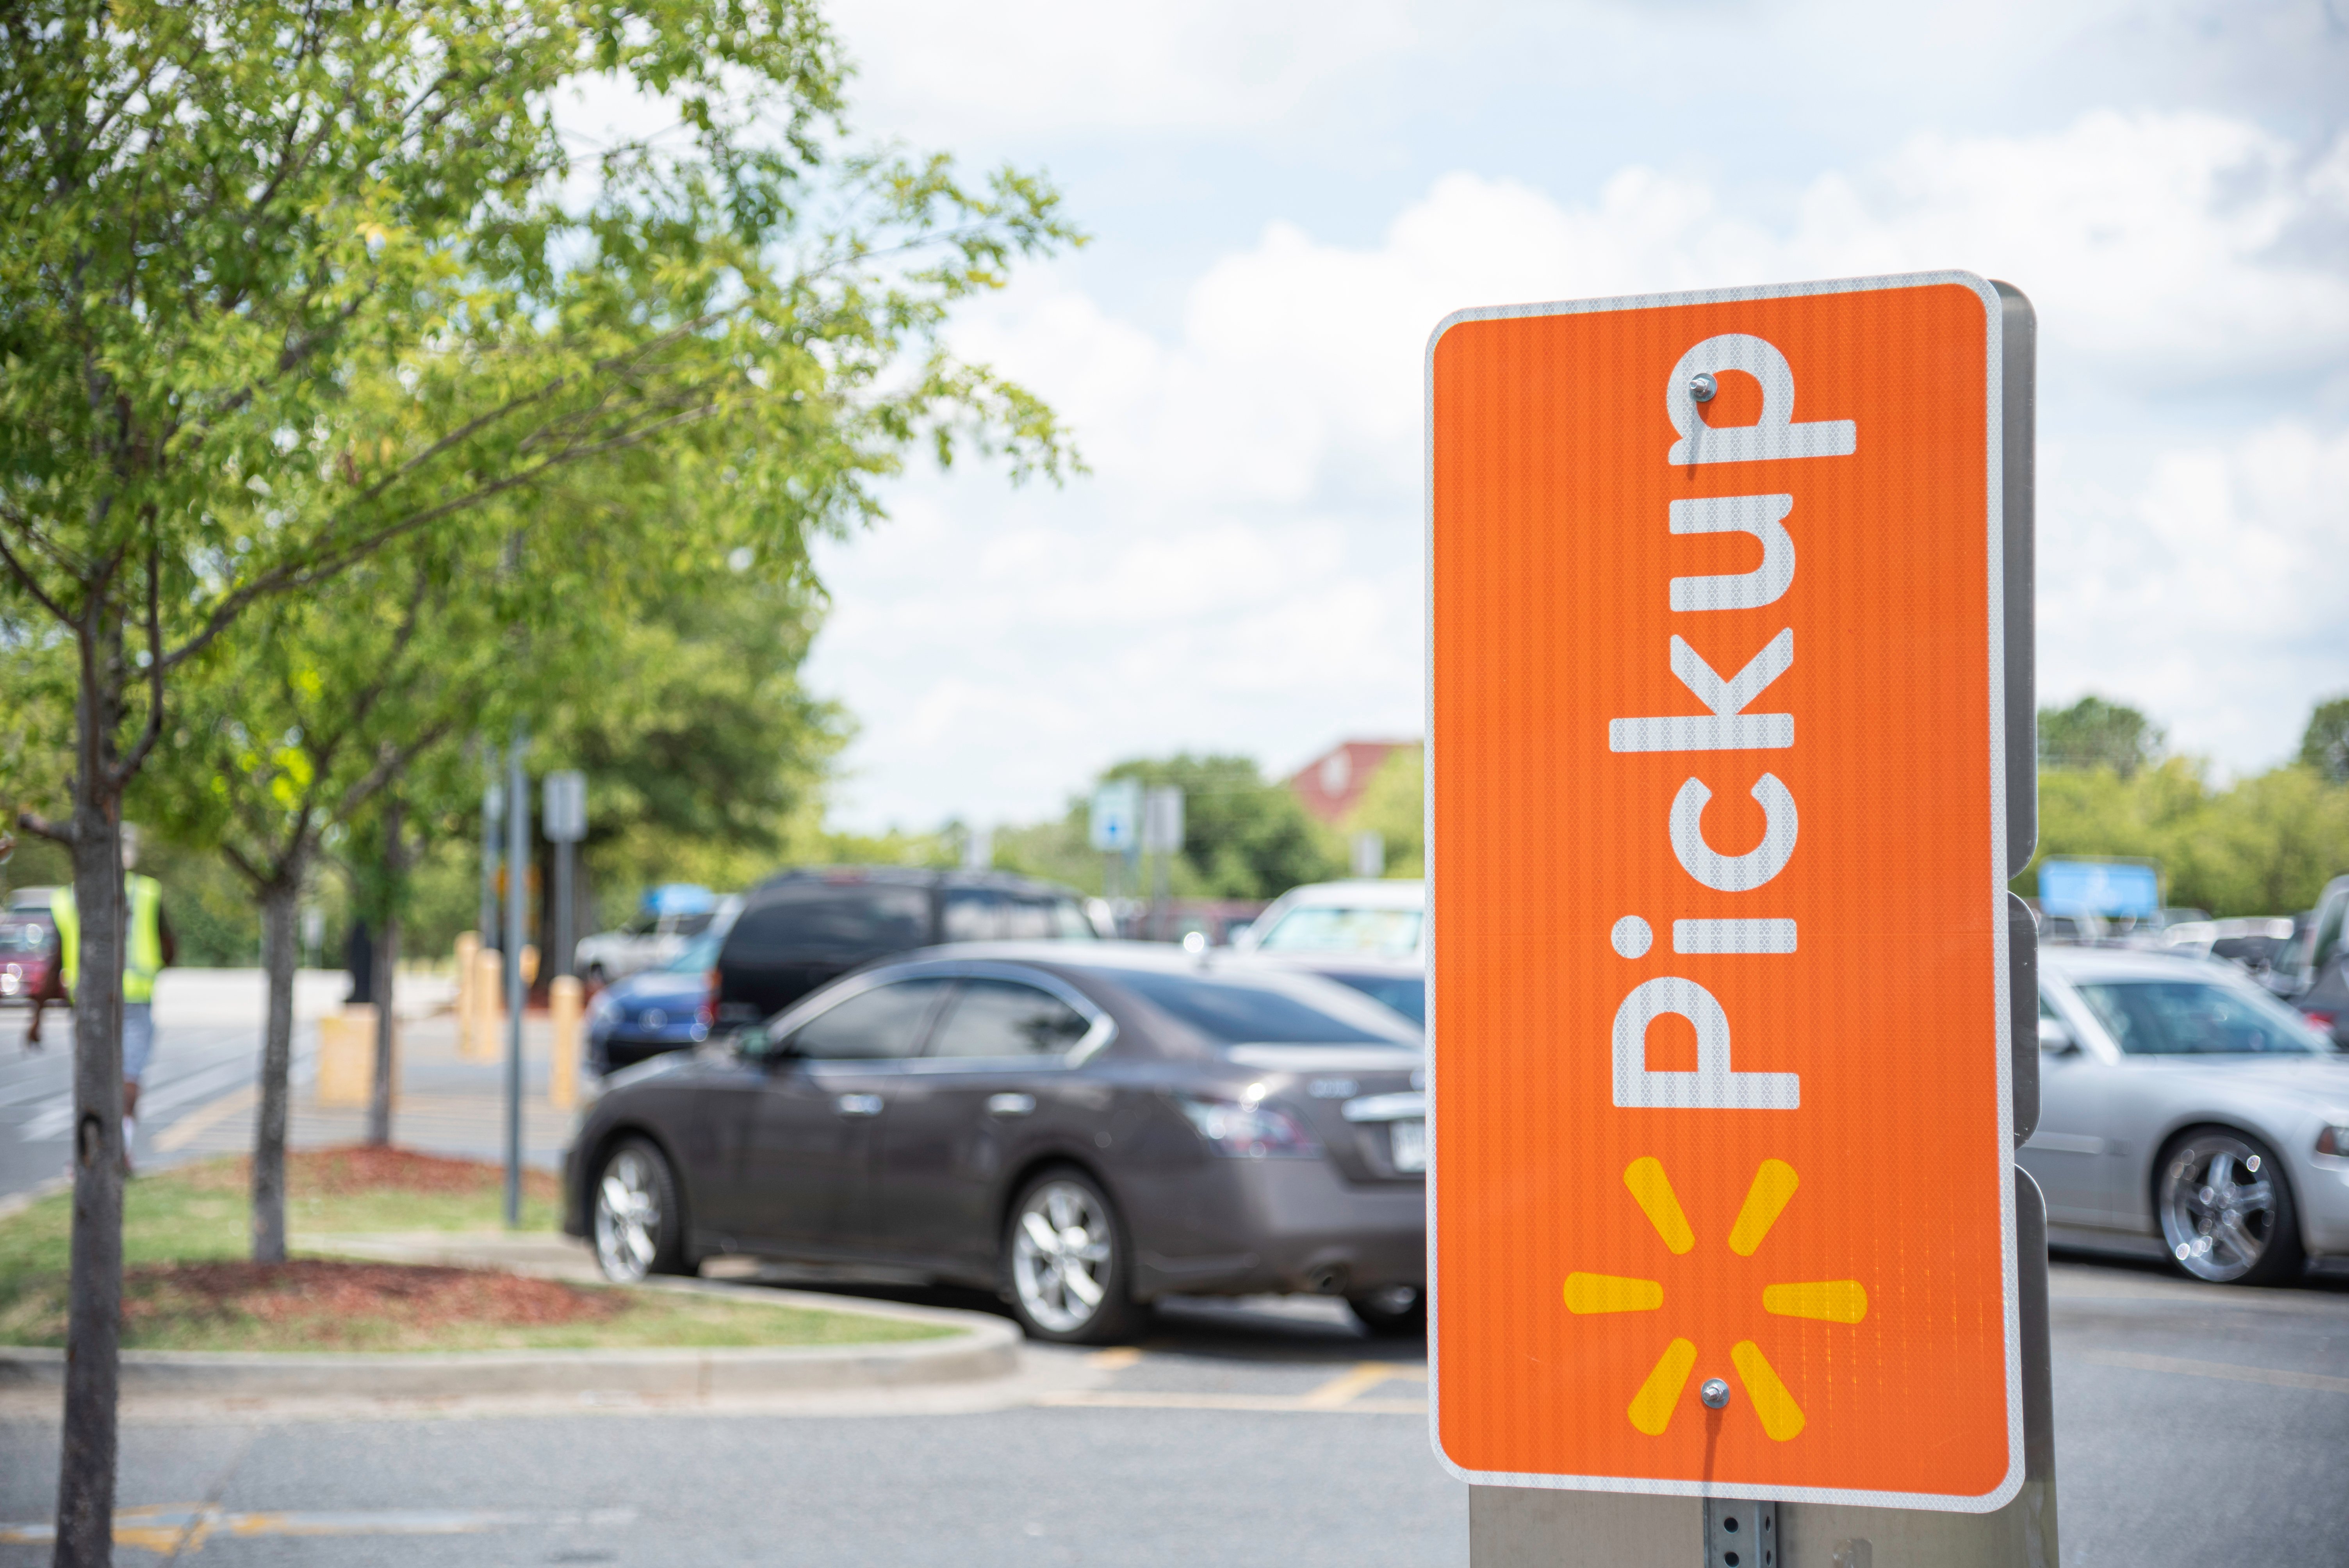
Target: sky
{"type": "Point", "coordinates": [1285, 197]}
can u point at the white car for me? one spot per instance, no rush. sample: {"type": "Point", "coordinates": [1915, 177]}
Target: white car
{"type": "Point", "coordinates": [1366, 919]}
{"type": "Point", "coordinates": [2181, 1104]}
{"type": "Point", "coordinates": [647, 942]}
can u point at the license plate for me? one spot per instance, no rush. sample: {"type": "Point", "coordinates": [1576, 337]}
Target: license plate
{"type": "Point", "coordinates": [1410, 1146]}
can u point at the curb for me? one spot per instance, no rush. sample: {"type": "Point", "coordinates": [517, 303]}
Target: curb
{"type": "Point", "coordinates": [988, 1348]}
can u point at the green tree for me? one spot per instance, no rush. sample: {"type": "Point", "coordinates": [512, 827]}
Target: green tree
{"type": "Point", "coordinates": [282, 282]}
{"type": "Point", "coordinates": [2094, 733]}
{"type": "Point", "coordinates": [1393, 805]}
{"type": "Point", "coordinates": [2325, 744]}
{"type": "Point", "coordinates": [1243, 836]}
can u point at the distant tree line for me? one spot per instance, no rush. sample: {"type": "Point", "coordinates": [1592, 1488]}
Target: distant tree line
{"type": "Point", "coordinates": [2265, 844]}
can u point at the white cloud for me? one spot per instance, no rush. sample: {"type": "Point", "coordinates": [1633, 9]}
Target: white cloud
{"type": "Point", "coordinates": [1245, 568]}
{"type": "Point", "coordinates": [2212, 594]}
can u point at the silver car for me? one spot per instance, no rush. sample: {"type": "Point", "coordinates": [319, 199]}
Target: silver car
{"type": "Point", "coordinates": [2180, 1103]}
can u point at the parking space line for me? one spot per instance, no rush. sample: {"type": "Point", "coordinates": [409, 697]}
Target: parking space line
{"type": "Point", "coordinates": [1341, 1395]}
{"type": "Point", "coordinates": [1347, 1386]}
{"type": "Point", "coordinates": [2218, 1369]}
{"type": "Point", "coordinates": [1273, 1404]}
{"type": "Point", "coordinates": [198, 1122]}
{"type": "Point", "coordinates": [170, 1529]}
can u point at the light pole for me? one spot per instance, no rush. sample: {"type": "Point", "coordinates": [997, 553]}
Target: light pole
{"type": "Point", "coordinates": [517, 994]}
{"type": "Point", "coordinates": [494, 811]}
{"type": "Point", "coordinates": [564, 824]}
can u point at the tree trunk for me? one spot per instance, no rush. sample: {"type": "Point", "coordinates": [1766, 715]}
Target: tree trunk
{"type": "Point", "coordinates": [387, 962]}
{"type": "Point", "coordinates": [94, 1304]}
{"type": "Point", "coordinates": [279, 953]}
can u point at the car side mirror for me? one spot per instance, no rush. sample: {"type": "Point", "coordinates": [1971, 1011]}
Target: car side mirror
{"type": "Point", "coordinates": [2055, 1038]}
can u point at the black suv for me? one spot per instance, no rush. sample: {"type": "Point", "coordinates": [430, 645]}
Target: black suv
{"type": "Point", "coordinates": [2311, 971]}
{"type": "Point", "coordinates": [800, 929]}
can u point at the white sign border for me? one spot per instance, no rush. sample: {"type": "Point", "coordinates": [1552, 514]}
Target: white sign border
{"type": "Point", "coordinates": [1994, 309]}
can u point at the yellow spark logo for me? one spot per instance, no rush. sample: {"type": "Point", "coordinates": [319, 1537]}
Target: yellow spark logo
{"type": "Point", "coordinates": [1826, 1301]}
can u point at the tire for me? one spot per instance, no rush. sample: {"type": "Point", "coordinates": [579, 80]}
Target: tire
{"type": "Point", "coordinates": [1388, 1314]}
{"type": "Point", "coordinates": [2226, 1209]}
{"type": "Point", "coordinates": [636, 1222]}
{"type": "Point", "coordinates": [1067, 1262]}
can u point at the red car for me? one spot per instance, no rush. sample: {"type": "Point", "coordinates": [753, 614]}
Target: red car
{"type": "Point", "coordinates": [28, 955]}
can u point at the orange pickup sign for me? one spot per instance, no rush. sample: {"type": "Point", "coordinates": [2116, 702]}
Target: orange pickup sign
{"type": "Point", "coordinates": [1722, 1197]}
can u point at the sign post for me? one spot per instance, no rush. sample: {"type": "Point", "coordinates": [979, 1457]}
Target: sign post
{"type": "Point", "coordinates": [565, 809]}
{"type": "Point", "coordinates": [1162, 835]}
{"type": "Point", "coordinates": [1731, 1017]}
{"type": "Point", "coordinates": [1114, 826]}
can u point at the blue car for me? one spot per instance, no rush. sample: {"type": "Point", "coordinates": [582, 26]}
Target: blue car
{"type": "Point", "coordinates": [653, 1010]}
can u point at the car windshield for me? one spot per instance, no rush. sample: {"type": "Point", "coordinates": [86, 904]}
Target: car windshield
{"type": "Point", "coordinates": [1335, 928]}
{"type": "Point", "coordinates": [1407, 994]}
{"type": "Point", "coordinates": [698, 957]}
{"type": "Point", "coordinates": [23, 936]}
{"type": "Point", "coordinates": [2195, 1018]}
{"type": "Point", "coordinates": [1250, 1015]}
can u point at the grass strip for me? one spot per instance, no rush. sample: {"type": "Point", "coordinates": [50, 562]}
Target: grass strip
{"type": "Point", "coordinates": [188, 1286]}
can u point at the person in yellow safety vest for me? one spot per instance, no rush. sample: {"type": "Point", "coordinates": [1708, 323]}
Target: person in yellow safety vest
{"type": "Point", "coordinates": [148, 951]}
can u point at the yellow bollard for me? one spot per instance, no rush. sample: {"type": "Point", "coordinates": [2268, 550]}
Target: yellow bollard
{"type": "Point", "coordinates": [347, 1055]}
{"type": "Point", "coordinates": [468, 947]}
{"type": "Point", "coordinates": [562, 998]}
{"type": "Point", "coordinates": [482, 1042]}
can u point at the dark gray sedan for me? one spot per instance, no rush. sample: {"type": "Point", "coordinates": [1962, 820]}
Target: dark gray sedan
{"type": "Point", "coordinates": [1083, 1127]}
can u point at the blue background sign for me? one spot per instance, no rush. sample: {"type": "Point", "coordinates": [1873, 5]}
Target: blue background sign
{"type": "Point", "coordinates": [2098, 887]}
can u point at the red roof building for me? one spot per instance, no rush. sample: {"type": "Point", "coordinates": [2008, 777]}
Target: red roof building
{"type": "Point", "coordinates": [1330, 784]}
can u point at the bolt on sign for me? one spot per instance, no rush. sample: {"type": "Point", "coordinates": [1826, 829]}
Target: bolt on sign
{"type": "Point", "coordinates": [1722, 1199]}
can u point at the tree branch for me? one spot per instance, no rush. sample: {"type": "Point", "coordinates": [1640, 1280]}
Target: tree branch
{"type": "Point", "coordinates": [124, 770]}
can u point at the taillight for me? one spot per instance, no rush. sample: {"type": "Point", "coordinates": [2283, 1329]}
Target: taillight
{"type": "Point", "coordinates": [1248, 1131]}
{"type": "Point", "coordinates": [708, 1013]}
{"type": "Point", "coordinates": [2321, 1020]}
{"type": "Point", "coordinates": [2333, 1140]}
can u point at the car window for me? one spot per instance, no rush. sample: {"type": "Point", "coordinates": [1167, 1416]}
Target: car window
{"type": "Point", "coordinates": [692, 925]}
{"type": "Point", "coordinates": [640, 926]}
{"type": "Point", "coordinates": [2328, 930]}
{"type": "Point", "coordinates": [1027, 919]}
{"type": "Point", "coordinates": [880, 1024]}
{"type": "Point", "coordinates": [24, 937]}
{"type": "Point", "coordinates": [972, 914]}
{"type": "Point", "coordinates": [831, 919]}
{"type": "Point", "coordinates": [2195, 1017]}
{"type": "Point", "coordinates": [1006, 1018]}
{"type": "Point", "coordinates": [1328, 928]}
{"type": "Point", "coordinates": [1407, 994]}
{"type": "Point", "coordinates": [700, 955]}
{"type": "Point", "coordinates": [1068, 922]}
{"type": "Point", "coordinates": [1249, 1014]}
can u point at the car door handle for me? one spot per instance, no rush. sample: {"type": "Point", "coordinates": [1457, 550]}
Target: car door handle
{"type": "Point", "coordinates": [857, 1105]}
{"type": "Point", "coordinates": [1010, 1104]}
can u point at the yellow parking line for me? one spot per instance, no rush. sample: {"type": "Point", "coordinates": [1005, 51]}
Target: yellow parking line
{"type": "Point", "coordinates": [1275, 1404]}
{"type": "Point", "coordinates": [1347, 1386]}
{"type": "Point", "coordinates": [203, 1119]}
{"type": "Point", "coordinates": [2219, 1369]}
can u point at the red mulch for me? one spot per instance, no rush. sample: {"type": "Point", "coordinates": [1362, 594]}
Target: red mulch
{"type": "Point", "coordinates": [322, 1293]}
{"type": "Point", "coordinates": [359, 1168]}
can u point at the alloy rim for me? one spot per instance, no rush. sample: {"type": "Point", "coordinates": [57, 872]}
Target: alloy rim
{"type": "Point", "coordinates": [1061, 1253]}
{"type": "Point", "coordinates": [2218, 1208]}
{"type": "Point", "coordinates": [627, 1217]}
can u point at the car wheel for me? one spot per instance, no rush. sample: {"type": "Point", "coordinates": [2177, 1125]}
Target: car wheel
{"type": "Point", "coordinates": [638, 1227]}
{"type": "Point", "coordinates": [1065, 1253]}
{"type": "Point", "coordinates": [1396, 1310]}
{"type": "Point", "coordinates": [2226, 1210]}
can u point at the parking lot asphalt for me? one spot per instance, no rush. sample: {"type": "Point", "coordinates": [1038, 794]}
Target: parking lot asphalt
{"type": "Point", "coordinates": [2196, 1426]}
